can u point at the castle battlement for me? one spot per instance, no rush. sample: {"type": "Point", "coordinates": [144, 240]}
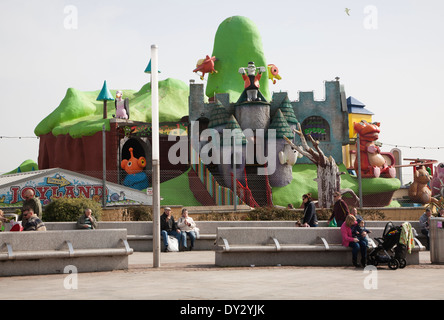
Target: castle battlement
{"type": "Point", "coordinates": [326, 120]}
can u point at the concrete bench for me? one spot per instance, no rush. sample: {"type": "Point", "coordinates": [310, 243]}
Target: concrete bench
{"type": "Point", "coordinates": [382, 224]}
{"type": "Point", "coordinates": [48, 252]}
{"type": "Point", "coordinates": [259, 246]}
{"type": "Point", "coordinates": [140, 233]}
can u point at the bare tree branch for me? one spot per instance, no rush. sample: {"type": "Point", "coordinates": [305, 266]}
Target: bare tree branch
{"type": "Point", "coordinates": [300, 150]}
{"type": "Point", "coordinates": [304, 143]}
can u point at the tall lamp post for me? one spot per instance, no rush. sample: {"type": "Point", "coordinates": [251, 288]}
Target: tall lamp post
{"type": "Point", "coordinates": [359, 169]}
{"type": "Point", "coordinates": [104, 96]}
{"type": "Point", "coordinates": [153, 69]}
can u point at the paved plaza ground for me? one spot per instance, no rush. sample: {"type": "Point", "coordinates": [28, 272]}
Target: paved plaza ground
{"type": "Point", "coordinates": [193, 276]}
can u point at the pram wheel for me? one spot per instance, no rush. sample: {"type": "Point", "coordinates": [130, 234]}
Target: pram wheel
{"type": "Point", "coordinates": [402, 263]}
{"type": "Point", "coordinates": [372, 261]}
{"type": "Point", "coordinates": [393, 264]}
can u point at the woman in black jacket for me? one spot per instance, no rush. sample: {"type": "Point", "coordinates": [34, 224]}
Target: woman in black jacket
{"type": "Point", "coordinates": [310, 217]}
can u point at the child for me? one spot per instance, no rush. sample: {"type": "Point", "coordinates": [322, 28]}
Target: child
{"type": "Point", "coordinates": [359, 231]}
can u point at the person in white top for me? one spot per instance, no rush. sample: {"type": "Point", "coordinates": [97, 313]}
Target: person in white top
{"type": "Point", "coordinates": [187, 226]}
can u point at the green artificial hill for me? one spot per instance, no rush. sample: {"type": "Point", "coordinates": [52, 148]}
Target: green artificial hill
{"type": "Point", "coordinates": [26, 166]}
{"type": "Point", "coordinates": [236, 43]}
{"type": "Point", "coordinates": [177, 192]}
{"type": "Point", "coordinates": [80, 114]}
{"type": "Point", "coordinates": [302, 183]}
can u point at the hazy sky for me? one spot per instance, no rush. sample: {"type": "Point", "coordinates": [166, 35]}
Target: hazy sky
{"type": "Point", "coordinates": [388, 54]}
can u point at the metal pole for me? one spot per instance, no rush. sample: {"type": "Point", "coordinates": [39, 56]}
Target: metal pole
{"type": "Point", "coordinates": [358, 151]}
{"type": "Point", "coordinates": [234, 174]}
{"type": "Point", "coordinates": [104, 166]}
{"type": "Point", "coordinates": [105, 109]}
{"type": "Point", "coordinates": [155, 153]}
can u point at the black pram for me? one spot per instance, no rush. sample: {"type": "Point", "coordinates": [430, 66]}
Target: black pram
{"type": "Point", "coordinates": [389, 250]}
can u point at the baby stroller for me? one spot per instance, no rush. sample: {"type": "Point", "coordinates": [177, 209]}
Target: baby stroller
{"type": "Point", "coordinates": [389, 250]}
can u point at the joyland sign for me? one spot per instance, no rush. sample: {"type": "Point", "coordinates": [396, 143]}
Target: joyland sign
{"type": "Point", "coordinates": [58, 183]}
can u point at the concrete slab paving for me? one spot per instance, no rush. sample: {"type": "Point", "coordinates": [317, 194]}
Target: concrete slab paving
{"type": "Point", "coordinates": [193, 276]}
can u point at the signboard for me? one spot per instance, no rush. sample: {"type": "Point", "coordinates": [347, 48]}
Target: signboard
{"type": "Point", "coordinates": [165, 129]}
{"type": "Point", "coordinates": [57, 183]}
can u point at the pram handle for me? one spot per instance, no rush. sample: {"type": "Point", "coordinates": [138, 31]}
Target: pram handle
{"type": "Point", "coordinates": [379, 240]}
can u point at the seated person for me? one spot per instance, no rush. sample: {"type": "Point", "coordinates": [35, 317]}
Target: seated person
{"type": "Point", "coordinates": [87, 221]}
{"type": "Point", "coordinates": [188, 228]}
{"type": "Point", "coordinates": [424, 223]}
{"type": "Point", "coordinates": [359, 231]}
{"type": "Point", "coordinates": [168, 227]}
{"type": "Point", "coordinates": [2, 220]}
{"type": "Point", "coordinates": [31, 222]}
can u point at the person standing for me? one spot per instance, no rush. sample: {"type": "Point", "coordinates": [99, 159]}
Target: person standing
{"type": "Point", "coordinates": [30, 200]}
{"type": "Point", "coordinates": [340, 209]}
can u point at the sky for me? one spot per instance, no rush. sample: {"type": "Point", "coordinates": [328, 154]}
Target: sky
{"type": "Point", "coordinates": [387, 54]}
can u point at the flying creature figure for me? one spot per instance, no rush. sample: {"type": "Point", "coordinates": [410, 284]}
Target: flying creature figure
{"type": "Point", "coordinates": [347, 11]}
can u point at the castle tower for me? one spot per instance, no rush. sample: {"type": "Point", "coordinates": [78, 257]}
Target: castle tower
{"type": "Point", "coordinates": [283, 173]}
{"type": "Point", "coordinates": [219, 117]}
{"type": "Point", "coordinates": [253, 115]}
{"type": "Point", "coordinates": [288, 112]}
{"type": "Point", "coordinates": [229, 152]}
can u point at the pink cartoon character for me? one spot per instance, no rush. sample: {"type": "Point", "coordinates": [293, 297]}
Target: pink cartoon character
{"type": "Point", "coordinates": [437, 183]}
{"type": "Point", "coordinates": [122, 106]}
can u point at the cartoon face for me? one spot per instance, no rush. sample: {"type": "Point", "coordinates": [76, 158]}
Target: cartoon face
{"type": "Point", "coordinates": [273, 69]}
{"type": "Point", "coordinates": [422, 176]}
{"type": "Point", "coordinates": [367, 131]}
{"type": "Point", "coordinates": [133, 165]}
{"type": "Point", "coordinates": [251, 69]}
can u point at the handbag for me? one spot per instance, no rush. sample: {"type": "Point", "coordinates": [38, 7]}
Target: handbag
{"type": "Point", "coordinates": [173, 244]}
{"type": "Point", "coordinates": [333, 223]}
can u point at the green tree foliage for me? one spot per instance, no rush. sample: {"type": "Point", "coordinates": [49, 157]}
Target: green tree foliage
{"type": "Point", "coordinates": [70, 209]}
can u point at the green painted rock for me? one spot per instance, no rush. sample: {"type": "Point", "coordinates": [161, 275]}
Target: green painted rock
{"type": "Point", "coordinates": [80, 114]}
{"type": "Point", "coordinates": [236, 43]}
